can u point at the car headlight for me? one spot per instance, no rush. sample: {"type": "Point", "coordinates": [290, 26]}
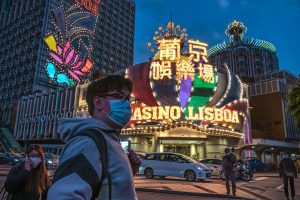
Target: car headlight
{"type": "Point", "coordinates": [199, 168]}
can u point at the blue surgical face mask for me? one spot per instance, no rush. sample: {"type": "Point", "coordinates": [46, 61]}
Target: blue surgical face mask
{"type": "Point", "coordinates": [120, 112]}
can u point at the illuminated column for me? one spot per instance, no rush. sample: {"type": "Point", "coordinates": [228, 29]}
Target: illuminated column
{"type": "Point", "coordinates": [154, 144]}
{"type": "Point", "coordinates": [161, 148]}
{"type": "Point", "coordinates": [192, 149]}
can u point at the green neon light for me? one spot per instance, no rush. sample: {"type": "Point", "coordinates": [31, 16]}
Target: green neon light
{"type": "Point", "coordinates": [200, 101]}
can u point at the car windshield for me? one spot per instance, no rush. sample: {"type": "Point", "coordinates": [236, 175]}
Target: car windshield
{"type": "Point", "coordinates": [188, 159]}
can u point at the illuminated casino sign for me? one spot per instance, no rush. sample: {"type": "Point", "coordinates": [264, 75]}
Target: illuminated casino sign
{"type": "Point", "coordinates": [179, 84]}
{"type": "Point", "coordinates": [174, 113]}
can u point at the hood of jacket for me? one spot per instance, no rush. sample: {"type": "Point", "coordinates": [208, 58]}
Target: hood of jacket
{"type": "Point", "coordinates": [69, 127]}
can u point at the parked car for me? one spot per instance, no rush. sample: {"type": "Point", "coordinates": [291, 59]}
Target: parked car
{"type": "Point", "coordinates": [256, 165]}
{"type": "Point", "coordinates": [51, 160]}
{"type": "Point", "coordinates": [11, 159]}
{"type": "Point", "coordinates": [173, 164]}
{"type": "Point", "coordinates": [214, 164]}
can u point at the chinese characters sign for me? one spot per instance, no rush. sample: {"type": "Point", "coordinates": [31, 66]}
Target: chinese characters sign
{"type": "Point", "coordinates": [186, 65]}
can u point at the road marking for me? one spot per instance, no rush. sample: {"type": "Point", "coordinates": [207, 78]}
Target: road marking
{"type": "Point", "coordinates": [261, 178]}
{"type": "Point", "coordinates": [279, 187]}
{"type": "Point", "coordinates": [203, 188]}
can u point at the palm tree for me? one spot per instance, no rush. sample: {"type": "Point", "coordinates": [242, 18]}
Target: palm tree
{"type": "Point", "coordinates": [294, 103]}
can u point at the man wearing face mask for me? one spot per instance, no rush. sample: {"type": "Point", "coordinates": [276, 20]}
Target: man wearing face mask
{"type": "Point", "coordinates": [80, 169]}
{"type": "Point", "coordinates": [229, 164]}
{"type": "Point", "coordinates": [287, 171]}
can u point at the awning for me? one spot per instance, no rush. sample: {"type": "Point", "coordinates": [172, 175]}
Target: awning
{"type": "Point", "coordinates": [262, 144]}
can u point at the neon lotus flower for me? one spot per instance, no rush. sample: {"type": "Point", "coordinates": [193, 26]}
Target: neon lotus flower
{"type": "Point", "coordinates": [68, 67]}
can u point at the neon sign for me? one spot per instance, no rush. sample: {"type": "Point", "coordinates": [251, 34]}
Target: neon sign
{"type": "Point", "coordinates": [184, 85]}
{"type": "Point", "coordinates": [174, 113]}
{"type": "Point", "coordinates": [69, 44]}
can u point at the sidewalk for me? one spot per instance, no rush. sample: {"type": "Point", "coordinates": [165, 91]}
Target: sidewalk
{"type": "Point", "coordinates": [268, 174]}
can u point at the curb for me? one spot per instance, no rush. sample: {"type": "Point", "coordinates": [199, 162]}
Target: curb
{"type": "Point", "coordinates": [190, 193]}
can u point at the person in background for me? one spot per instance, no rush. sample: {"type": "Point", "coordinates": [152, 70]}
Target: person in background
{"type": "Point", "coordinates": [232, 150]}
{"type": "Point", "coordinates": [229, 167]}
{"type": "Point", "coordinates": [29, 180]}
{"type": "Point", "coordinates": [80, 172]}
{"type": "Point", "coordinates": [287, 171]}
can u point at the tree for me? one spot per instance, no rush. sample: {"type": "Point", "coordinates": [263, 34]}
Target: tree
{"type": "Point", "coordinates": [294, 103]}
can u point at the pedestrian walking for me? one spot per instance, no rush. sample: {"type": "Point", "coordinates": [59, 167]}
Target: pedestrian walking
{"type": "Point", "coordinates": [287, 171]}
{"type": "Point", "coordinates": [229, 167]}
{"type": "Point", "coordinates": [93, 164]}
{"type": "Point", "coordinates": [29, 180]}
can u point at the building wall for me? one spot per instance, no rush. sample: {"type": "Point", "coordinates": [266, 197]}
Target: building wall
{"type": "Point", "coordinates": [113, 50]}
{"type": "Point", "coordinates": [275, 84]}
{"type": "Point", "coordinates": [24, 24]}
{"type": "Point", "coordinates": [267, 117]}
{"type": "Point", "coordinates": [20, 24]}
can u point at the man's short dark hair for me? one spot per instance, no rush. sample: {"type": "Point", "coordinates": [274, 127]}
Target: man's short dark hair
{"type": "Point", "coordinates": [103, 86]}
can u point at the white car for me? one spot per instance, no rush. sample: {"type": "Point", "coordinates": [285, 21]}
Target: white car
{"type": "Point", "coordinates": [214, 164]}
{"type": "Point", "coordinates": [173, 164]}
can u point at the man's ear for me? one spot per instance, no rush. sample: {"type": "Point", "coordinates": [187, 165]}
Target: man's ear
{"type": "Point", "coordinates": [97, 103]}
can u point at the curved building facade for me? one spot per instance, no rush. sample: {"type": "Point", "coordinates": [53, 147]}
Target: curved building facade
{"type": "Point", "coordinates": [248, 58]}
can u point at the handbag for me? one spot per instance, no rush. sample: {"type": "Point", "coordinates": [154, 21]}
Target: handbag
{"type": "Point", "coordinates": [4, 195]}
{"type": "Point", "coordinates": [288, 174]}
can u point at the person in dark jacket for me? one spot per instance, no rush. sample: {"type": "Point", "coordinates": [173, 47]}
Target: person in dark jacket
{"type": "Point", "coordinates": [229, 164]}
{"type": "Point", "coordinates": [287, 171]}
{"type": "Point", "coordinates": [29, 180]}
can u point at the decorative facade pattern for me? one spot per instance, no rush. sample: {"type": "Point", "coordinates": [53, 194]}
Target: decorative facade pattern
{"type": "Point", "coordinates": [38, 114]}
{"type": "Point", "coordinates": [24, 53]}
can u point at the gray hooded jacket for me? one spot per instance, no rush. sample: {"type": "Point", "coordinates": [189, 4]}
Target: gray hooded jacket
{"type": "Point", "coordinates": [80, 167]}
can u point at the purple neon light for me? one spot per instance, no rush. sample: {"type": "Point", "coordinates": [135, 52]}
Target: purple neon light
{"type": "Point", "coordinates": [70, 56]}
{"type": "Point", "coordinates": [59, 49]}
{"type": "Point", "coordinates": [185, 91]}
{"type": "Point", "coordinates": [74, 75]}
{"type": "Point", "coordinates": [67, 46]}
{"type": "Point", "coordinates": [56, 57]}
{"type": "Point", "coordinates": [248, 152]}
{"type": "Point", "coordinates": [75, 60]}
{"type": "Point", "coordinates": [78, 72]}
{"type": "Point", "coordinates": [77, 65]}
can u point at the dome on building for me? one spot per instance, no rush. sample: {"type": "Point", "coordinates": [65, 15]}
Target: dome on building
{"type": "Point", "coordinates": [247, 58]}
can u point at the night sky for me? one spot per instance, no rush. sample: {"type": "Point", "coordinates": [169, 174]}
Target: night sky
{"type": "Point", "coordinates": [276, 21]}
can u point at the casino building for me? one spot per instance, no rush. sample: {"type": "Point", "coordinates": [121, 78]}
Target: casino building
{"type": "Point", "coordinates": [184, 104]}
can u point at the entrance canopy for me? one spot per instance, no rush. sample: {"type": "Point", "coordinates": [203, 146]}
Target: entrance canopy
{"type": "Point", "coordinates": [263, 144]}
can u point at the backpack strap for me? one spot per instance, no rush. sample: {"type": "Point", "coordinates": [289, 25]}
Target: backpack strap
{"type": "Point", "coordinates": [100, 141]}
